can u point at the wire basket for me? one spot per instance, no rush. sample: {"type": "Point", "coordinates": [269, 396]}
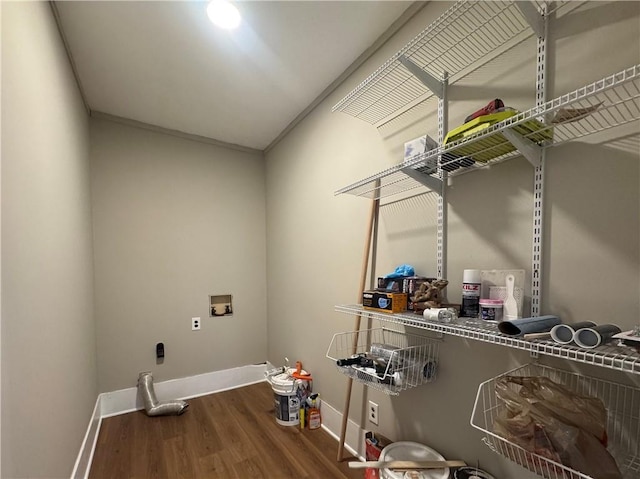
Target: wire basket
{"type": "Point", "coordinates": [623, 422]}
{"type": "Point", "coordinates": [384, 359]}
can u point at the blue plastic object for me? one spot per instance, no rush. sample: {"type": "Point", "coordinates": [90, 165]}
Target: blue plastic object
{"type": "Point", "coordinates": [402, 270]}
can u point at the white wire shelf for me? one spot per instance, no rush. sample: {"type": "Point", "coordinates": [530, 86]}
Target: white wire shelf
{"type": "Point", "coordinates": [618, 358]}
{"type": "Point", "coordinates": [396, 360]}
{"type": "Point", "coordinates": [623, 422]}
{"type": "Point", "coordinates": [607, 103]}
{"type": "Point", "coordinates": [473, 30]}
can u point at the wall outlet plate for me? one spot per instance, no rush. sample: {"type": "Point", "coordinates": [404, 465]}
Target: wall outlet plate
{"type": "Point", "coordinates": [373, 413]}
{"type": "Point", "coordinates": [195, 324]}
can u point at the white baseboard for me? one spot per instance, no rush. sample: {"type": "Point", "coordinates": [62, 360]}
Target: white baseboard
{"type": "Point", "coordinates": [85, 456]}
{"type": "Point", "coordinates": [332, 423]}
{"type": "Point", "coordinates": [126, 400]}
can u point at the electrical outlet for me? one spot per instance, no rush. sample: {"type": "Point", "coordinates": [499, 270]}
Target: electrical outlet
{"type": "Point", "coordinates": [195, 324]}
{"type": "Point", "coordinates": [373, 412]}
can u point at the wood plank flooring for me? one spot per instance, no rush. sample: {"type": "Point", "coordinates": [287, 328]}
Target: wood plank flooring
{"type": "Point", "coordinates": [230, 435]}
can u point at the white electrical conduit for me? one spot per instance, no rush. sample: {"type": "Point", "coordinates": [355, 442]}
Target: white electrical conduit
{"type": "Point", "coordinates": [152, 406]}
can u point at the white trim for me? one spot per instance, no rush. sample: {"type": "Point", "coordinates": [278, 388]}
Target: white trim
{"type": "Point", "coordinates": [0, 274]}
{"type": "Point", "coordinates": [85, 456]}
{"type": "Point", "coordinates": [125, 400]}
{"type": "Point", "coordinates": [332, 423]}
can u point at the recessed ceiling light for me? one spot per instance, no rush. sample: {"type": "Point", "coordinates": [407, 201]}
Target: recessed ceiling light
{"type": "Point", "coordinates": [223, 14]}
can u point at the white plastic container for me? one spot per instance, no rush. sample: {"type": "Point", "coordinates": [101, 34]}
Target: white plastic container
{"type": "Point", "coordinates": [287, 402]}
{"type": "Point", "coordinates": [491, 309]}
{"type": "Point", "coordinates": [445, 315]}
{"type": "Point", "coordinates": [411, 451]}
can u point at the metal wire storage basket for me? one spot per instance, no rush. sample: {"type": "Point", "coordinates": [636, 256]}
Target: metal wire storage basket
{"type": "Point", "coordinates": [401, 360]}
{"type": "Point", "coordinates": [623, 422]}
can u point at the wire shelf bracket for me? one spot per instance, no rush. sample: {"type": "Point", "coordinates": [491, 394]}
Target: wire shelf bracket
{"type": "Point", "coordinates": [533, 17]}
{"type": "Point", "coordinates": [531, 151]}
{"type": "Point", "coordinates": [426, 179]}
{"type": "Point", "coordinates": [432, 83]}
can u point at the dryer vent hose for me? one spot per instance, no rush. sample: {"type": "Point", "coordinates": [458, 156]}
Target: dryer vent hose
{"type": "Point", "coordinates": [152, 406]}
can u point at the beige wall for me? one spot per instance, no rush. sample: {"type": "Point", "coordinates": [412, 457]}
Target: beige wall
{"type": "Point", "coordinates": [592, 262]}
{"type": "Point", "coordinates": [175, 220]}
{"type": "Point", "coordinates": [49, 384]}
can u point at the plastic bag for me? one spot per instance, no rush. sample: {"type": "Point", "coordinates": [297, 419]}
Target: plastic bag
{"type": "Point", "coordinates": [520, 429]}
{"type": "Point", "coordinates": [584, 412]}
{"type": "Point", "coordinates": [547, 419]}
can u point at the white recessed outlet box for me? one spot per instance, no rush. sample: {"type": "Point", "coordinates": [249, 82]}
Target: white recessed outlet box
{"type": "Point", "coordinates": [195, 324]}
{"type": "Point", "coordinates": [220, 305]}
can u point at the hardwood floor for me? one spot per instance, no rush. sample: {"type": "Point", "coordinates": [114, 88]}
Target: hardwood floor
{"type": "Point", "coordinates": [232, 434]}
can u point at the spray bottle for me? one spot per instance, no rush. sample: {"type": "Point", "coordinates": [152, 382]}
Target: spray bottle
{"type": "Point", "coordinates": [470, 293]}
{"type": "Point", "coordinates": [313, 412]}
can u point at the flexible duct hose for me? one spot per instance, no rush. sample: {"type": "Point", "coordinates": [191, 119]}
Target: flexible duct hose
{"type": "Point", "coordinates": [152, 406]}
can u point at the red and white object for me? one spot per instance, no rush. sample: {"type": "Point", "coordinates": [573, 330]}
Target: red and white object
{"type": "Point", "coordinates": [492, 107]}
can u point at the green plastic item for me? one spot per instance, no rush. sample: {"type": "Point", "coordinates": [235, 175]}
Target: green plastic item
{"type": "Point", "coordinates": [493, 146]}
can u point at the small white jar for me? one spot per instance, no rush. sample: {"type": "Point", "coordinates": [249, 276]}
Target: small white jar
{"type": "Point", "coordinates": [491, 309]}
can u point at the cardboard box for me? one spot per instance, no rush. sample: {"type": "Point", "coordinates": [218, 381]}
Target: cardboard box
{"type": "Point", "coordinates": [391, 285]}
{"type": "Point", "coordinates": [418, 146]}
{"type": "Point", "coordinates": [374, 444]}
{"type": "Point", "coordinates": [407, 284]}
{"type": "Point", "coordinates": [385, 301]}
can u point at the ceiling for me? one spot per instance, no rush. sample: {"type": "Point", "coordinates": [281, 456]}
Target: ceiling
{"type": "Point", "coordinates": [164, 64]}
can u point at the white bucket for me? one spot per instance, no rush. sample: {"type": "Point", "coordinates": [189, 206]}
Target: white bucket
{"type": "Point", "coordinates": [287, 402]}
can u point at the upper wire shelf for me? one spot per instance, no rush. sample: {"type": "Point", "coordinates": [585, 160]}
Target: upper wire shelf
{"type": "Point", "coordinates": [607, 103]}
{"type": "Point", "coordinates": [473, 29]}
{"type": "Point", "coordinates": [618, 358]}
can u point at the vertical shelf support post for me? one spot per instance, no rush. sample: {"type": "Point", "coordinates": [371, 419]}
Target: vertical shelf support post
{"type": "Point", "coordinates": [441, 233]}
{"type": "Point", "coordinates": [538, 182]}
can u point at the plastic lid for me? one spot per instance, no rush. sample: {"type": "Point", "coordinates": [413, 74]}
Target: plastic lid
{"type": "Point", "coordinates": [283, 380]}
{"type": "Point", "coordinates": [471, 276]}
{"type": "Point", "coordinates": [496, 303]}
